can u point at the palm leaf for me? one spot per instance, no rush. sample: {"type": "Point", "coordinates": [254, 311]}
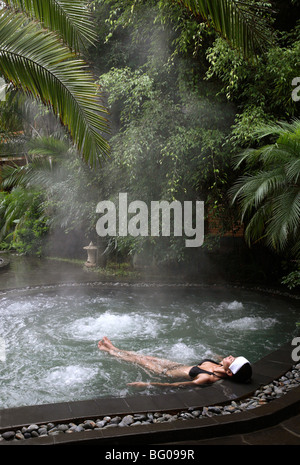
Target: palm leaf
{"type": "Point", "coordinates": [287, 211]}
{"type": "Point", "coordinates": [281, 128]}
{"type": "Point", "coordinates": [240, 22]}
{"type": "Point", "coordinates": [271, 196]}
{"type": "Point", "coordinates": [48, 147]}
{"type": "Point", "coordinates": [43, 158]}
{"type": "Point", "coordinates": [36, 61]}
{"type": "Point", "coordinates": [70, 19]}
{"type": "Point", "coordinates": [256, 228]}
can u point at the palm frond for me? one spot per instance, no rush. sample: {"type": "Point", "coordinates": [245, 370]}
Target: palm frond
{"type": "Point", "coordinates": [43, 163]}
{"type": "Point", "coordinates": [270, 197]}
{"type": "Point", "coordinates": [241, 22]}
{"type": "Point", "coordinates": [48, 147]}
{"type": "Point", "coordinates": [252, 190]}
{"type": "Point", "coordinates": [70, 19]}
{"type": "Point", "coordinates": [293, 170]}
{"type": "Point", "coordinates": [280, 128]}
{"type": "Point", "coordinates": [286, 147]}
{"type": "Point", "coordinates": [284, 224]}
{"type": "Point", "coordinates": [36, 61]}
{"type": "Point", "coordinates": [256, 228]}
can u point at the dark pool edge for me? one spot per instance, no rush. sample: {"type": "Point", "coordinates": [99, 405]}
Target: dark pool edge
{"type": "Point", "coordinates": [150, 285]}
{"type": "Point", "coordinates": [183, 431]}
{"type": "Point", "coordinates": [269, 368]}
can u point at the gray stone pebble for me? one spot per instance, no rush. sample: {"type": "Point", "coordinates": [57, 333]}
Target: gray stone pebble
{"type": "Point", "coordinates": [9, 435]}
{"type": "Point", "coordinates": [262, 396]}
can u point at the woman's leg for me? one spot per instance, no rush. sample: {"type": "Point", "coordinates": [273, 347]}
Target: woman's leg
{"type": "Point", "coordinates": [157, 365]}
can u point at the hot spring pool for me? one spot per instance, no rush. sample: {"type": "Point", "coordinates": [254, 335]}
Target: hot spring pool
{"type": "Point", "coordinates": [49, 336]}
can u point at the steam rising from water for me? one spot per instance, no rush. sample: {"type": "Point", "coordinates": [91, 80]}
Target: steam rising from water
{"type": "Point", "coordinates": [51, 352]}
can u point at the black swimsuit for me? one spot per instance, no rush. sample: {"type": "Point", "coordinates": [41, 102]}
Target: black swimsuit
{"type": "Point", "coordinates": [196, 370]}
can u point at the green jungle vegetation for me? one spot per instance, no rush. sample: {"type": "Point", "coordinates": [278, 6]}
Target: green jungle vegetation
{"type": "Point", "coordinates": [163, 100]}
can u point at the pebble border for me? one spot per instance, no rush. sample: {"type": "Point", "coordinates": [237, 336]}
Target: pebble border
{"type": "Point", "coordinates": [262, 396]}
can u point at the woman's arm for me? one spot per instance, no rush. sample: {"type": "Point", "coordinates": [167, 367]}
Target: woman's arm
{"type": "Point", "coordinates": [201, 379]}
{"type": "Point", "coordinates": [142, 384]}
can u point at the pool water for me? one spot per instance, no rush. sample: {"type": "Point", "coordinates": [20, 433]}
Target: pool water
{"type": "Point", "coordinates": [49, 335]}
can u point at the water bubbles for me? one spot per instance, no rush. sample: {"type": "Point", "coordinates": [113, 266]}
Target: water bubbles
{"type": "Point", "coordinates": [14, 308]}
{"type": "Point", "coordinates": [64, 376]}
{"type": "Point", "coordinates": [181, 351]}
{"type": "Point", "coordinates": [242, 317]}
{"type": "Point", "coordinates": [115, 325]}
{"type": "Point", "coordinates": [251, 323]}
{"type": "Point", "coordinates": [235, 305]}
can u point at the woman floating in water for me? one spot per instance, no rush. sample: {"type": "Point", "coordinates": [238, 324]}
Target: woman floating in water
{"type": "Point", "coordinates": [207, 371]}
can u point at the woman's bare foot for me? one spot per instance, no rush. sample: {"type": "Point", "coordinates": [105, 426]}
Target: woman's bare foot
{"type": "Point", "coordinates": [102, 346]}
{"type": "Point", "coordinates": [107, 341]}
{"type": "Point", "coordinates": [106, 344]}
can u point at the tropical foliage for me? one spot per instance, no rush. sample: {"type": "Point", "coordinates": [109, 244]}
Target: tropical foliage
{"type": "Point", "coordinates": [39, 46]}
{"type": "Point", "coordinates": [242, 23]}
{"type": "Point", "coordinates": [24, 224]}
{"type": "Point", "coordinates": [269, 192]}
{"type": "Point", "coordinates": [192, 87]}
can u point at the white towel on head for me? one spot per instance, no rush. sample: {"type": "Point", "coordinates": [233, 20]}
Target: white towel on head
{"type": "Point", "coordinates": [237, 364]}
